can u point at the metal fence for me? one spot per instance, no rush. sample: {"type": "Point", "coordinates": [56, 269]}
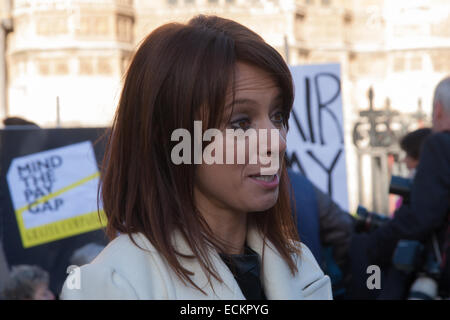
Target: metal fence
{"type": "Point", "coordinates": [376, 136]}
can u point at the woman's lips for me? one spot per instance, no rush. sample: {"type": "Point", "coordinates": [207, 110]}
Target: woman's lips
{"type": "Point", "coordinates": [266, 181]}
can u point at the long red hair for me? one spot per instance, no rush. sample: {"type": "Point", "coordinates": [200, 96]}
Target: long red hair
{"type": "Point", "coordinates": [181, 72]}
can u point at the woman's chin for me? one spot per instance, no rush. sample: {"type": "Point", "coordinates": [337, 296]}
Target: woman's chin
{"type": "Point", "coordinates": [263, 204]}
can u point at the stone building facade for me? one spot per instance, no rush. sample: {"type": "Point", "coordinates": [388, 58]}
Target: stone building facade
{"type": "Point", "coordinates": [401, 48]}
{"type": "Point", "coordinates": [74, 52]}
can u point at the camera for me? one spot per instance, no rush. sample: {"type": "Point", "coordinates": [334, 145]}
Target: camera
{"type": "Point", "coordinates": [414, 257]}
{"type": "Point", "coordinates": [420, 261]}
{"type": "Point", "coordinates": [368, 221]}
{"type": "Point", "coordinates": [401, 187]}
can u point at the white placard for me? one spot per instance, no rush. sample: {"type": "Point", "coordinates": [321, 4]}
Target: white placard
{"type": "Point", "coordinates": [54, 185]}
{"type": "Point", "coordinates": [316, 132]}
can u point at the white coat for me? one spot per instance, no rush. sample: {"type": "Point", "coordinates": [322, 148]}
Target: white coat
{"type": "Point", "coordinates": [124, 271]}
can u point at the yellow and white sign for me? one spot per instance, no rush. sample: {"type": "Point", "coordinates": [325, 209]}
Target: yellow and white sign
{"type": "Point", "coordinates": [54, 193]}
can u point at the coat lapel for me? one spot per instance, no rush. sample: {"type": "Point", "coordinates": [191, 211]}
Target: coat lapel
{"type": "Point", "coordinates": [277, 279]}
{"type": "Point", "coordinates": [226, 290]}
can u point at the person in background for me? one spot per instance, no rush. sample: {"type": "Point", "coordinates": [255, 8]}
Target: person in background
{"type": "Point", "coordinates": [27, 283]}
{"type": "Point", "coordinates": [85, 254]}
{"type": "Point", "coordinates": [4, 267]}
{"type": "Point", "coordinates": [325, 228]}
{"type": "Point", "coordinates": [411, 144]}
{"type": "Point", "coordinates": [17, 121]}
{"type": "Point", "coordinates": [336, 228]}
{"type": "Point", "coordinates": [428, 210]}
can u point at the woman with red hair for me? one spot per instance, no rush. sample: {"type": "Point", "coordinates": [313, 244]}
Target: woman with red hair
{"type": "Point", "coordinates": [200, 230]}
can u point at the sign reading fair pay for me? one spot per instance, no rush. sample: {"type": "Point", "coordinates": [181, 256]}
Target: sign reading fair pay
{"type": "Point", "coordinates": [54, 193]}
{"type": "Point", "coordinates": [316, 129]}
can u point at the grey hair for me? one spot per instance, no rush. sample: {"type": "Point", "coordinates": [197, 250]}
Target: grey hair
{"type": "Point", "coordinates": [86, 254]}
{"type": "Point", "coordinates": [23, 281]}
{"type": "Point", "coordinates": [442, 94]}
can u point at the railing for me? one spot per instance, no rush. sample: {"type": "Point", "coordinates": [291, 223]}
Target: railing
{"type": "Point", "coordinates": [376, 137]}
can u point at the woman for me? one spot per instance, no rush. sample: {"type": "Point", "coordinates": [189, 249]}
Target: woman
{"type": "Point", "coordinates": [194, 230]}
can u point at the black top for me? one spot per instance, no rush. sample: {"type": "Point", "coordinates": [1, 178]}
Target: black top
{"type": "Point", "coordinates": [246, 270]}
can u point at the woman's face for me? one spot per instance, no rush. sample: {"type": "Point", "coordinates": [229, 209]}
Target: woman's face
{"type": "Point", "coordinates": [241, 187]}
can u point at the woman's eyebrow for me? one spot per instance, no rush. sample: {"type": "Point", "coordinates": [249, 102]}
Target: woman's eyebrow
{"type": "Point", "coordinates": [251, 101]}
{"type": "Point", "coordinates": [276, 101]}
{"type": "Point", "coordinates": [242, 101]}
{"type": "Point", "coordinates": [278, 98]}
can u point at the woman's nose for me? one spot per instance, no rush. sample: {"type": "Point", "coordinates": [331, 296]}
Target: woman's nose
{"type": "Point", "coordinates": [274, 138]}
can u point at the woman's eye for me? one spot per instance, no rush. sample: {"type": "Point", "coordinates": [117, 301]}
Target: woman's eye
{"type": "Point", "coordinates": [279, 118]}
{"type": "Point", "coordinates": [243, 124]}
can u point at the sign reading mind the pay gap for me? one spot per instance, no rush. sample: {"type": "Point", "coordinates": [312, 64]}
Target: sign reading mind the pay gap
{"type": "Point", "coordinates": [54, 193]}
{"type": "Point", "coordinates": [316, 129]}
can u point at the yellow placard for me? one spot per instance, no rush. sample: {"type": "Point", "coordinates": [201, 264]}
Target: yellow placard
{"type": "Point", "coordinates": [60, 229]}
{"type": "Point", "coordinates": [53, 193]}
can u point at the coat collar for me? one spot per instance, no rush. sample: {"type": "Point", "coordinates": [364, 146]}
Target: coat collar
{"type": "Point", "coordinates": [277, 279]}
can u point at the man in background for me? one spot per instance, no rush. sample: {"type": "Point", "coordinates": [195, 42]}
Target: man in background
{"type": "Point", "coordinates": [428, 210]}
{"type": "Point", "coordinates": [324, 228]}
{"type": "Point", "coordinates": [412, 144]}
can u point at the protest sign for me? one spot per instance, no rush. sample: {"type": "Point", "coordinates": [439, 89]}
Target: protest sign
{"type": "Point", "coordinates": [316, 137]}
{"type": "Point", "coordinates": [54, 193]}
{"type": "Point", "coordinates": [63, 216]}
